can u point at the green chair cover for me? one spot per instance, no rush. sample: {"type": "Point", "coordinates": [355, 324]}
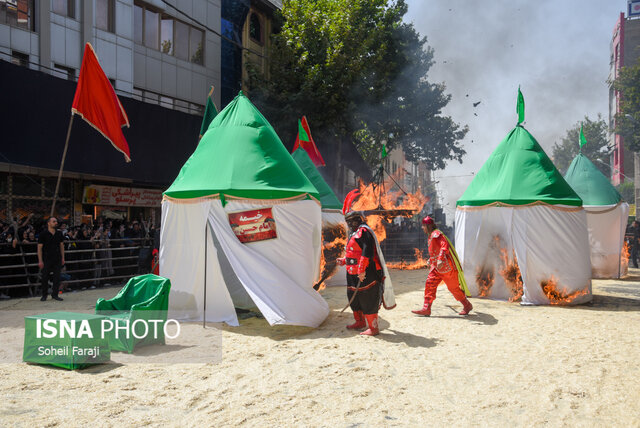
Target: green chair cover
{"type": "Point", "coordinates": [144, 297]}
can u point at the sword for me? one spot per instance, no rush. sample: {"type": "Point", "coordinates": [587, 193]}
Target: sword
{"type": "Point", "coordinates": [353, 296]}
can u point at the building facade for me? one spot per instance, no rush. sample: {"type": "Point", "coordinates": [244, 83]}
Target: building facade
{"type": "Point", "coordinates": [625, 51]}
{"type": "Point", "coordinates": [161, 56]}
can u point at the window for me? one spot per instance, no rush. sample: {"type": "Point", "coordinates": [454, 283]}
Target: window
{"type": "Point", "coordinates": [168, 35]}
{"type": "Point", "coordinates": [255, 28]}
{"type": "Point", "coordinates": [195, 46]}
{"type": "Point", "coordinates": [64, 72]}
{"type": "Point", "coordinates": [17, 13]}
{"type": "Point", "coordinates": [19, 58]}
{"type": "Point", "coordinates": [65, 8]}
{"type": "Point", "coordinates": [137, 23]}
{"type": "Point", "coordinates": [151, 29]}
{"type": "Point", "coordinates": [105, 15]}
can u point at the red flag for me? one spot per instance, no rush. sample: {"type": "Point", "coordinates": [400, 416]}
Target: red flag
{"type": "Point", "coordinates": [305, 140]}
{"type": "Point", "coordinates": [97, 103]}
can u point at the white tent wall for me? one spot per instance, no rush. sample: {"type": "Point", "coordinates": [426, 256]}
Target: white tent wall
{"type": "Point", "coordinates": [182, 260]}
{"type": "Point", "coordinates": [549, 243]}
{"type": "Point", "coordinates": [277, 274]}
{"type": "Point", "coordinates": [607, 225]}
{"type": "Point", "coordinates": [330, 219]}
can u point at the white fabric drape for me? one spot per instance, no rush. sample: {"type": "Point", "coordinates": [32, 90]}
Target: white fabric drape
{"type": "Point", "coordinates": [277, 274]}
{"type": "Point", "coordinates": [549, 244]}
{"type": "Point", "coordinates": [330, 219]}
{"type": "Point", "coordinates": [607, 225]}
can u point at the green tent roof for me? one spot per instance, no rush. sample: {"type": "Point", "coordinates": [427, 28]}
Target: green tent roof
{"type": "Point", "coordinates": [241, 155]}
{"type": "Point", "coordinates": [590, 184]}
{"type": "Point", "coordinates": [519, 172]}
{"type": "Point", "coordinates": [328, 199]}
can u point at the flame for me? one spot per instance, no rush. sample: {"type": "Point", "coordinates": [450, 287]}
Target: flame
{"type": "Point", "coordinates": [485, 278]}
{"type": "Point", "coordinates": [420, 262]}
{"type": "Point", "coordinates": [511, 274]}
{"type": "Point", "coordinates": [624, 255]}
{"type": "Point", "coordinates": [334, 240]}
{"type": "Point", "coordinates": [372, 197]}
{"type": "Point", "coordinates": [559, 297]}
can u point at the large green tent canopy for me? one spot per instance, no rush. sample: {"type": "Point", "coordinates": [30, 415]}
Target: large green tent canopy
{"type": "Point", "coordinates": [590, 184]}
{"type": "Point", "coordinates": [328, 199]}
{"type": "Point", "coordinates": [240, 155]}
{"type": "Point", "coordinates": [519, 172]}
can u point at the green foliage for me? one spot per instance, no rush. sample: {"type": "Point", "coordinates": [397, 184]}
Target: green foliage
{"type": "Point", "coordinates": [628, 117]}
{"type": "Point", "coordinates": [359, 74]}
{"type": "Point", "coordinates": [595, 132]}
{"type": "Point", "coordinates": [628, 191]}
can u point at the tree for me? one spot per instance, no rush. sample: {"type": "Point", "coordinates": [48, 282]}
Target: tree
{"type": "Point", "coordinates": [359, 74]}
{"type": "Point", "coordinates": [595, 132]}
{"type": "Point", "coordinates": [627, 120]}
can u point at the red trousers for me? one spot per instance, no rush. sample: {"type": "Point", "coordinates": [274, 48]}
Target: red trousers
{"type": "Point", "coordinates": [449, 278]}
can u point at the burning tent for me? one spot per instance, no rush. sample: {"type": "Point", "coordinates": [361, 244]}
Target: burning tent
{"type": "Point", "coordinates": [607, 217]}
{"type": "Point", "coordinates": [521, 231]}
{"type": "Point", "coordinates": [334, 228]}
{"type": "Point", "coordinates": [241, 227]}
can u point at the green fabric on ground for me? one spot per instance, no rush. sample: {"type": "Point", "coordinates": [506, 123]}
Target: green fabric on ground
{"type": "Point", "coordinates": [62, 350]}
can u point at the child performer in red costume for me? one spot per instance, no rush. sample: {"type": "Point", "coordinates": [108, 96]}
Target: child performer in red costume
{"type": "Point", "coordinates": [444, 266]}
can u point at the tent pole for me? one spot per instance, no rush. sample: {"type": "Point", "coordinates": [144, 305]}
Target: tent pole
{"type": "Point", "coordinates": [204, 311]}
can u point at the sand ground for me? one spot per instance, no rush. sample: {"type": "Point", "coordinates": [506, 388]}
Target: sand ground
{"type": "Point", "coordinates": [505, 365]}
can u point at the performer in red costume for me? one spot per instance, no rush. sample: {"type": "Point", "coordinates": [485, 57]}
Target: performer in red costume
{"type": "Point", "coordinates": [365, 275]}
{"type": "Point", "coordinates": [444, 266]}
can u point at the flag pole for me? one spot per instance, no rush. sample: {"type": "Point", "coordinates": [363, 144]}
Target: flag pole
{"type": "Point", "coordinates": [204, 310]}
{"type": "Point", "coordinates": [64, 155]}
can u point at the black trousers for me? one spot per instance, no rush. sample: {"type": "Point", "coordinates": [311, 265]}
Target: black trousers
{"type": "Point", "coordinates": [368, 301]}
{"type": "Point", "coordinates": [50, 268]}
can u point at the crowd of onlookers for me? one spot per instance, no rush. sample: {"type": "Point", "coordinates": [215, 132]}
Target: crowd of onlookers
{"type": "Point", "coordinates": [94, 253]}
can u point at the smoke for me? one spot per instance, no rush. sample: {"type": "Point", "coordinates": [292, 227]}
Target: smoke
{"type": "Point", "coordinates": [557, 51]}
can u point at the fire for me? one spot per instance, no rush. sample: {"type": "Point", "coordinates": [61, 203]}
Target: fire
{"type": "Point", "coordinates": [559, 297]}
{"type": "Point", "coordinates": [334, 240]}
{"type": "Point", "coordinates": [624, 256]}
{"type": "Point", "coordinates": [420, 262]}
{"type": "Point", "coordinates": [485, 278]}
{"type": "Point", "coordinates": [372, 197]}
{"type": "Point", "coordinates": [511, 274]}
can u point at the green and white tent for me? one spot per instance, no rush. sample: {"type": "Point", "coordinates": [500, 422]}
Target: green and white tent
{"type": "Point", "coordinates": [241, 227]}
{"type": "Point", "coordinates": [518, 210]}
{"type": "Point", "coordinates": [607, 217]}
{"type": "Point", "coordinates": [331, 207]}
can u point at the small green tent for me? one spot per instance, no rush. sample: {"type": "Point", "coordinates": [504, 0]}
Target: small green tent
{"type": "Point", "coordinates": [607, 217]}
{"type": "Point", "coordinates": [328, 199]}
{"type": "Point", "coordinates": [241, 227]}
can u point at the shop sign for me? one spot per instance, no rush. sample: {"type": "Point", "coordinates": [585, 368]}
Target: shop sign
{"type": "Point", "coordinates": [121, 196]}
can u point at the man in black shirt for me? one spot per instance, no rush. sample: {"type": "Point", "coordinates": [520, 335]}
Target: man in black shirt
{"type": "Point", "coordinates": [51, 257]}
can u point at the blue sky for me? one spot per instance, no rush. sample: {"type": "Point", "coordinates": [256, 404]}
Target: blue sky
{"type": "Point", "coordinates": [558, 51]}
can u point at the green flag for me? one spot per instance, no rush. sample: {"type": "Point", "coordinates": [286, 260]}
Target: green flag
{"type": "Point", "coordinates": [520, 106]}
{"type": "Point", "coordinates": [210, 112]}
{"type": "Point", "coordinates": [302, 133]}
{"type": "Point", "coordinates": [583, 140]}
{"type": "Point", "coordinates": [384, 150]}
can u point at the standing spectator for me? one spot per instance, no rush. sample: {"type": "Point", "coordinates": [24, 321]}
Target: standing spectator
{"type": "Point", "coordinates": [50, 258]}
{"type": "Point", "coordinates": [635, 242]}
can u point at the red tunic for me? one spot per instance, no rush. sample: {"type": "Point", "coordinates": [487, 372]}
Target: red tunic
{"type": "Point", "coordinates": [439, 252]}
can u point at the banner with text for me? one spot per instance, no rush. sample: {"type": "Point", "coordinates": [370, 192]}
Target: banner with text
{"type": "Point", "coordinates": [253, 225]}
{"type": "Point", "coordinates": [121, 196]}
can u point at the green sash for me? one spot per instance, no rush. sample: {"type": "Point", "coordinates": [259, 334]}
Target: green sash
{"type": "Point", "coordinates": [454, 256]}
